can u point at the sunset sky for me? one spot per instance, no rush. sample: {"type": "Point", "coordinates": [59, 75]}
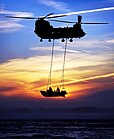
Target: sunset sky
{"type": "Point", "coordinates": [25, 61]}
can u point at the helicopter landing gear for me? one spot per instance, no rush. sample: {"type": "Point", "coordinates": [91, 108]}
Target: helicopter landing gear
{"type": "Point", "coordinates": [49, 40]}
{"type": "Point", "coordinates": [62, 40]}
{"type": "Point", "coordinates": [41, 40]}
{"type": "Point", "coordinates": [71, 40]}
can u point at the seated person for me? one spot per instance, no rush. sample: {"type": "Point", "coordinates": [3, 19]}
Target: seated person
{"type": "Point", "coordinates": [58, 90]}
{"type": "Point", "coordinates": [50, 89]}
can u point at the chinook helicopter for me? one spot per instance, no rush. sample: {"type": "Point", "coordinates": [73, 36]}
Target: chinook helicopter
{"type": "Point", "coordinates": [45, 30]}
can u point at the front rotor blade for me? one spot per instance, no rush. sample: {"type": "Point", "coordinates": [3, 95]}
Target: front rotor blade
{"type": "Point", "coordinates": [86, 11]}
{"type": "Point", "coordinates": [94, 23]}
{"type": "Point", "coordinates": [43, 17]}
{"type": "Point", "coordinates": [21, 17]}
{"type": "Point", "coordinates": [62, 21]}
{"type": "Point", "coordinates": [55, 16]}
{"type": "Point", "coordinates": [47, 15]}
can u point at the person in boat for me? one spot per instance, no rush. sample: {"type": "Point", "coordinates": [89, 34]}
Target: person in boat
{"type": "Point", "coordinates": [58, 90]}
{"type": "Point", "coordinates": [50, 89]}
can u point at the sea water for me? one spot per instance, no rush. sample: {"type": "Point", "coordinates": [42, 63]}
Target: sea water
{"type": "Point", "coordinates": [57, 129]}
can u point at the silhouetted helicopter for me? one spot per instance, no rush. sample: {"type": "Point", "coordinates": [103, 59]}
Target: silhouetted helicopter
{"type": "Point", "coordinates": [44, 30]}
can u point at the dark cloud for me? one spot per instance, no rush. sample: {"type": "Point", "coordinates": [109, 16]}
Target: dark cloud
{"type": "Point", "coordinates": [39, 83]}
{"type": "Point", "coordinates": [7, 88]}
{"type": "Point", "coordinates": [107, 67]}
{"type": "Point", "coordinates": [102, 80]}
{"type": "Point", "coordinates": [98, 99]}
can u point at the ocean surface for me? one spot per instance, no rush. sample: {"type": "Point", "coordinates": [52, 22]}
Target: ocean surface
{"type": "Point", "coordinates": [57, 129]}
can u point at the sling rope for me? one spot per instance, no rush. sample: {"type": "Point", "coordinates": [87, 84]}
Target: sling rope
{"type": "Point", "coordinates": [62, 76]}
{"type": "Point", "coordinates": [50, 72]}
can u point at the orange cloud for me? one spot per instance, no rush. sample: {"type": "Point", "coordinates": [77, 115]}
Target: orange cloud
{"type": "Point", "coordinates": [17, 89]}
{"type": "Point", "coordinates": [26, 77]}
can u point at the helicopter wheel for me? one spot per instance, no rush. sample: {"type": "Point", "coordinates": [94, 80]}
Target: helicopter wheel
{"type": "Point", "coordinates": [62, 40]}
{"type": "Point", "coordinates": [49, 40]}
{"type": "Point", "coordinates": [41, 40]}
{"type": "Point", "coordinates": [71, 40]}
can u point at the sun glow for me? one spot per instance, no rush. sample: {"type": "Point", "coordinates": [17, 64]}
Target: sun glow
{"type": "Point", "coordinates": [26, 77]}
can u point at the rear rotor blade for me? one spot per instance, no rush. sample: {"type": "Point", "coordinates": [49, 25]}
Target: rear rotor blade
{"type": "Point", "coordinates": [21, 17]}
{"type": "Point", "coordinates": [76, 22]}
{"type": "Point", "coordinates": [94, 23]}
{"type": "Point", "coordinates": [62, 21]}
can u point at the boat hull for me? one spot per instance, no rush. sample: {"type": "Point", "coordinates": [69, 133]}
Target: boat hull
{"type": "Point", "coordinates": [53, 94]}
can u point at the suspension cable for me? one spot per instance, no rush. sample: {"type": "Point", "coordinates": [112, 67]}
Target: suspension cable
{"type": "Point", "coordinates": [50, 72]}
{"type": "Point", "coordinates": [62, 76]}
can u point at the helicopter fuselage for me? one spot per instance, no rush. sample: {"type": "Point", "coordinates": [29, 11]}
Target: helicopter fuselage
{"type": "Point", "coordinates": [44, 30]}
